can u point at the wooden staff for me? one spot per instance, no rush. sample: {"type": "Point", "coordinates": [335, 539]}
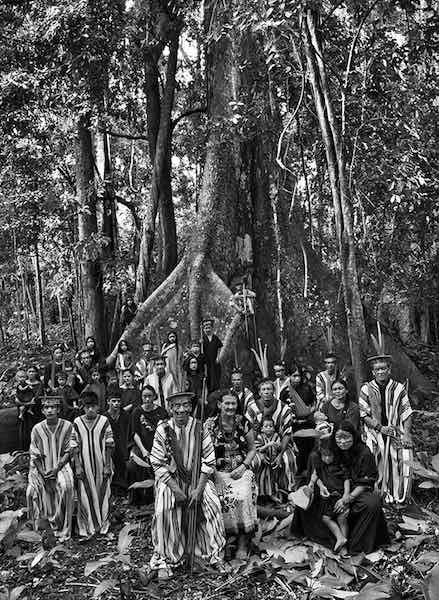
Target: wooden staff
{"type": "Point", "coordinates": [196, 471]}
{"type": "Point", "coordinates": [392, 412]}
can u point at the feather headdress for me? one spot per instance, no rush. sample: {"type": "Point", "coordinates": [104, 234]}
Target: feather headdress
{"type": "Point", "coordinates": [261, 358]}
{"type": "Point", "coordinates": [379, 346]}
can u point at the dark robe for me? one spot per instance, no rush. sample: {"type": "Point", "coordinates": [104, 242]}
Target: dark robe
{"type": "Point", "coordinates": [130, 396]}
{"type": "Point", "coordinates": [304, 445]}
{"type": "Point", "coordinates": [68, 396]}
{"type": "Point", "coordinates": [367, 523]}
{"type": "Point", "coordinates": [120, 427]}
{"type": "Point", "coordinates": [211, 349]}
{"type": "Point", "coordinates": [143, 424]}
{"type": "Point", "coordinates": [350, 412]}
{"type": "Point", "coordinates": [127, 314]}
{"type": "Point", "coordinates": [24, 396]}
{"type": "Point", "coordinates": [82, 378]}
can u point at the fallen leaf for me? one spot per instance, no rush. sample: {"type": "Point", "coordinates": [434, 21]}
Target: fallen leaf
{"type": "Point", "coordinates": [374, 591]}
{"type": "Point", "coordinates": [376, 556]}
{"type": "Point", "coordinates": [428, 485]}
{"type": "Point", "coordinates": [104, 586]}
{"type": "Point", "coordinates": [38, 558]}
{"type": "Point", "coordinates": [411, 524]}
{"type": "Point", "coordinates": [147, 483]}
{"type": "Point", "coordinates": [93, 565]}
{"type": "Point", "coordinates": [412, 541]}
{"type": "Point", "coordinates": [27, 535]}
{"type": "Point", "coordinates": [295, 554]}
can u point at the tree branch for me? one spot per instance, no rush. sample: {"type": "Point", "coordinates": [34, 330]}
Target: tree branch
{"type": "Point", "coordinates": [187, 113]}
{"type": "Point", "coordinates": [124, 135]}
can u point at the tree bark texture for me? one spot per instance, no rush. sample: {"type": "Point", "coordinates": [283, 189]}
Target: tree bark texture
{"type": "Point", "coordinates": [39, 303]}
{"type": "Point", "coordinates": [90, 265]}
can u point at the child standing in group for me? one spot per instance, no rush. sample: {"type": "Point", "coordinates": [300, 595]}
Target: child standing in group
{"type": "Point", "coordinates": [24, 398]}
{"type": "Point", "coordinates": [333, 483]}
{"type": "Point", "coordinates": [69, 397]}
{"type": "Point", "coordinates": [268, 446]}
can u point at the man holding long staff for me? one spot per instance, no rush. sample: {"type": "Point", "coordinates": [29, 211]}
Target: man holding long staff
{"type": "Point", "coordinates": [173, 457]}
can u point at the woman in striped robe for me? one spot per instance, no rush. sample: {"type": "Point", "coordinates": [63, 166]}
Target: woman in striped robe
{"type": "Point", "coordinates": [172, 458]}
{"type": "Point", "coordinates": [385, 412]}
{"type": "Point", "coordinates": [92, 443]}
{"type": "Point", "coordinates": [50, 483]}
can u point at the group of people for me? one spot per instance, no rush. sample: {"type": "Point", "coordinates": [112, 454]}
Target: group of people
{"type": "Point", "coordinates": [333, 457]}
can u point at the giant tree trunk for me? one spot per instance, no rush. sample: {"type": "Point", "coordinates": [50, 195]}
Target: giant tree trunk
{"type": "Point", "coordinates": [39, 303]}
{"type": "Point", "coordinates": [90, 266]}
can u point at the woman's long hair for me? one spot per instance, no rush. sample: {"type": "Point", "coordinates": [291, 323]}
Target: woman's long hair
{"type": "Point", "coordinates": [351, 455]}
{"type": "Point", "coordinates": [347, 398]}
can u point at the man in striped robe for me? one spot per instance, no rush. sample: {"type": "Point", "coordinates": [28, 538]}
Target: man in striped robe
{"type": "Point", "coordinates": [280, 474]}
{"type": "Point", "coordinates": [243, 393]}
{"type": "Point", "coordinates": [50, 483]}
{"type": "Point", "coordinates": [92, 443]}
{"type": "Point", "coordinates": [386, 415]}
{"type": "Point", "coordinates": [325, 379]}
{"type": "Point", "coordinates": [172, 458]}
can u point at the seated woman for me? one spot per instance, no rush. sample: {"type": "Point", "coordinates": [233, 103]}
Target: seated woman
{"type": "Point", "coordinates": [366, 521]}
{"type": "Point", "coordinates": [341, 407]}
{"type": "Point", "coordinates": [144, 421]}
{"type": "Point", "coordinates": [234, 450]}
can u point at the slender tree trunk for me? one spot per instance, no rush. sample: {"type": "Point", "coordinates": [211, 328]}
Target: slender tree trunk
{"type": "Point", "coordinates": [39, 298]}
{"type": "Point", "coordinates": [342, 206]}
{"type": "Point", "coordinates": [105, 175]}
{"type": "Point", "coordinates": [90, 266]}
{"type": "Point", "coordinates": [159, 184]}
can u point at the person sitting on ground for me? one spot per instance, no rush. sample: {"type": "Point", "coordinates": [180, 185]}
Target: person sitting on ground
{"type": "Point", "coordinates": [83, 371]}
{"type": "Point", "coordinates": [211, 347]}
{"type": "Point", "coordinates": [69, 404]}
{"type": "Point", "coordinates": [172, 457]}
{"type": "Point", "coordinates": [24, 399]}
{"type": "Point", "coordinates": [120, 424]}
{"type": "Point", "coordinates": [92, 444]}
{"type": "Point", "coordinates": [145, 364]}
{"type": "Point", "coordinates": [281, 380]}
{"type": "Point", "coordinates": [284, 467]}
{"type": "Point", "coordinates": [367, 523]}
{"type": "Point", "coordinates": [50, 489]}
{"type": "Point", "coordinates": [124, 360]}
{"type": "Point", "coordinates": [162, 382]}
{"type": "Point", "coordinates": [234, 446]}
{"type": "Point", "coordinates": [243, 394]}
{"type": "Point", "coordinates": [325, 379]}
{"type": "Point", "coordinates": [55, 366]}
{"type": "Point", "coordinates": [333, 483]}
{"type": "Point", "coordinates": [131, 396]}
{"type": "Point", "coordinates": [341, 407]}
{"type": "Point", "coordinates": [144, 421]}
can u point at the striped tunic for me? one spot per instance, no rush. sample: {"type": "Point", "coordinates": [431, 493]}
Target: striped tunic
{"type": "Point", "coordinates": [397, 409]}
{"type": "Point", "coordinates": [324, 383]}
{"type": "Point", "coordinates": [51, 500]}
{"type": "Point", "coordinates": [279, 386]}
{"type": "Point", "coordinates": [169, 523]}
{"type": "Point", "coordinates": [91, 440]}
{"type": "Point", "coordinates": [268, 479]}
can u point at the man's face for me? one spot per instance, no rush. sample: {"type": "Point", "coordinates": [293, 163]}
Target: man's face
{"type": "Point", "coordinates": [195, 349]}
{"type": "Point", "coordinates": [160, 367]}
{"type": "Point", "coordinates": [62, 381]}
{"type": "Point", "coordinates": [330, 365]}
{"type": "Point", "coordinates": [32, 374]}
{"type": "Point", "coordinates": [85, 359]}
{"type": "Point", "coordinates": [91, 411]}
{"type": "Point", "coordinates": [381, 371]}
{"type": "Point", "coordinates": [147, 350]}
{"type": "Point", "coordinates": [295, 379]}
{"type": "Point", "coordinates": [114, 404]}
{"type": "Point", "coordinates": [207, 328]}
{"type": "Point", "coordinates": [266, 391]}
{"type": "Point", "coordinates": [57, 355]}
{"type": "Point", "coordinates": [128, 379]}
{"type": "Point", "coordinates": [50, 411]}
{"type": "Point", "coordinates": [90, 344]}
{"type": "Point", "coordinates": [112, 380]}
{"type": "Point", "coordinates": [148, 398]}
{"type": "Point", "coordinates": [21, 377]}
{"type": "Point", "coordinates": [279, 372]}
{"type": "Point", "coordinates": [237, 383]}
{"type": "Point", "coordinates": [181, 409]}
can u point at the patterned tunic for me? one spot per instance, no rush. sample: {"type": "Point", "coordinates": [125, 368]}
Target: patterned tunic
{"type": "Point", "coordinates": [270, 480]}
{"type": "Point", "coordinates": [51, 500]}
{"type": "Point", "coordinates": [324, 383]}
{"type": "Point", "coordinates": [92, 439]}
{"type": "Point", "coordinates": [396, 411]}
{"type": "Point", "coordinates": [168, 527]}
